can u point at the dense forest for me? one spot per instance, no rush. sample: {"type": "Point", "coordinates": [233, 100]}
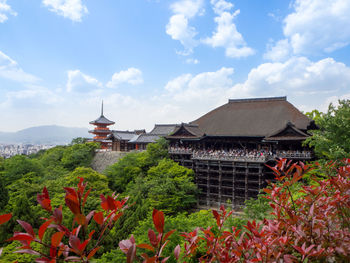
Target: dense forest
{"type": "Point", "coordinates": [150, 182]}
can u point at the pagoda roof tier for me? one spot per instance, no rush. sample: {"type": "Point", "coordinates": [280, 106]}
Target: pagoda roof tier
{"type": "Point", "coordinates": [100, 131]}
{"type": "Point", "coordinates": [102, 120]}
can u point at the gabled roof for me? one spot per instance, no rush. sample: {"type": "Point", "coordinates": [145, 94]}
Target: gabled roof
{"type": "Point", "coordinates": [122, 135]}
{"type": "Point", "coordinates": [163, 129]}
{"type": "Point", "coordinates": [288, 133]}
{"type": "Point", "coordinates": [258, 117]}
{"type": "Point", "coordinates": [185, 130]}
{"type": "Point", "coordinates": [146, 138]}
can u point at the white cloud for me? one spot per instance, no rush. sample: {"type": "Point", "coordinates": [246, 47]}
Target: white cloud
{"type": "Point", "coordinates": [308, 83]}
{"type": "Point", "coordinates": [72, 9]}
{"type": "Point", "coordinates": [315, 26]}
{"type": "Point", "coordinates": [278, 52]}
{"type": "Point", "coordinates": [178, 27]}
{"type": "Point", "coordinates": [131, 76]}
{"type": "Point", "coordinates": [203, 86]}
{"type": "Point", "coordinates": [80, 82]}
{"type": "Point", "coordinates": [226, 34]}
{"type": "Point", "coordinates": [9, 69]}
{"type": "Point", "coordinates": [5, 10]}
{"type": "Point", "coordinates": [192, 61]}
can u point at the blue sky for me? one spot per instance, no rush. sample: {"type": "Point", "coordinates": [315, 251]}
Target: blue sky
{"type": "Point", "coordinates": [166, 61]}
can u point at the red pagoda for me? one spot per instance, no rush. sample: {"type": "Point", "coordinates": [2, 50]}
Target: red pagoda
{"type": "Point", "coordinates": [101, 130]}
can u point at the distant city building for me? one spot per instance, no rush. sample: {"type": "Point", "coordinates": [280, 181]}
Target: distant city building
{"type": "Point", "coordinates": [9, 150]}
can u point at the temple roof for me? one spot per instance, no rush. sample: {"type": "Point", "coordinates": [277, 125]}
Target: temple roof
{"type": "Point", "coordinates": [163, 129]}
{"type": "Point", "coordinates": [258, 117]}
{"type": "Point", "coordinates": [122, 135]}
{"type": "Point", "coordinates": [288, 133]}
{"type": "Point", "coordinates": [102, 119]}
{"type": "Point", "coordinates": [146, 138]}
{"type": "Point", "coordinates": [185, 130]}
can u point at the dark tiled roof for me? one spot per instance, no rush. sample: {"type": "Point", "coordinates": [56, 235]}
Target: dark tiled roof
{"type": "Point", "coordinates": [186, 130]}
{"type": "Point", "coordinates": [163, 129]}
{"type": "Point", "coordinates": [146, 138]}
{"type": "Point", "coordinates": [102, 120]}
{"type": "Point", "coordinates": [288, 133]}
{"type": "Point", "coordinates": [122, 135]}
{"type": "Point", "coordinates": [251, 117]}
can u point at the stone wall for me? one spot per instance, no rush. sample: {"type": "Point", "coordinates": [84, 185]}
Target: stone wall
{"type": "Point", "coordinates": [104, 159]}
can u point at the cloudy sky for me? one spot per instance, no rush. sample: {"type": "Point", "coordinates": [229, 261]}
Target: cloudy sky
{"type": "Point", "coordinates": [162, 61]}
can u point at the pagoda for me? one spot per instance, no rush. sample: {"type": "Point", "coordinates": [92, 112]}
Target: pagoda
{"type": "Point", "coordinates": [101, 130]}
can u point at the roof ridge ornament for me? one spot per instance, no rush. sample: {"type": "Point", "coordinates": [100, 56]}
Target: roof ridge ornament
{"type": "Point", "coordinates": [283, 98]}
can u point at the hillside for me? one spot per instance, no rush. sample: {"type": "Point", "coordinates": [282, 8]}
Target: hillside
{"type": "Point", "coordinates": [49, 134]}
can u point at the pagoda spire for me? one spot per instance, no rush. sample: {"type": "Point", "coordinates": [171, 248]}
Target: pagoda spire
{"type": "Point", "coordinates": [102, 109]}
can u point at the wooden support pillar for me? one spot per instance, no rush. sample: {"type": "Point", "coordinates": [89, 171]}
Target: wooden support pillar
{"type": "Point", "coordinates": [260, 176]}
{"type": "Point", "coordinates": [220, 183]}
{"type": "Point", "coordinates": [233, 185]}
{"type": "Point", "coordinates": [246, 182]}
{"type": "Point", "coordinates": [208, 184]}
{"type": "Point", "coordinates": [195, 164]}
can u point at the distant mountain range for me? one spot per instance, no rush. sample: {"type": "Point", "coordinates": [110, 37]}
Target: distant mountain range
{"type": "Point", "coordinates": [50, 134]}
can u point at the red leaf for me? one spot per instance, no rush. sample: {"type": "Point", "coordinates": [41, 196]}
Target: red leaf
{"type": "Point", "coordinates": [110, 203]}
{"type": "Point", "coordinates": [74, 242]}
{"type": "Point", "coordinates": [27, 227]}
{"type": "Point", "coordinates": [167, 235]}
{"type": "Point", "coordinates": [44, 200]}
{"type": "Point", "coordinates": [146, 246]}
{"type": "Point", "coordinates": [27, 251]}
{"type": "Point", "coordinates": [130, 255]}
{"type": "Point", "coordinates": [57, 214]}
{"type": "Point", "coordinates": [98, 217]}
{"type": "Point", "coordinates": [86, 196]}
{"type": "Point", "coordinates": [21, 236]}
{"type": "Point", "coordinates": [217, 217]}
{"type": "Point", "coordinates": [4, 218]}
{"type": "Point", "coordinates": [177, 252]}
{"type": "Point", "coordinates": [158, 220]}
{"type": "Point", "coordinates": [124, 245]}
{"type": "Point", "coordinates": [43, 227]}
{"type": "Point", "coordinates": [152, 238]}
{"type": "Point", "coordinates": [92, 252]}
{"type": "Point", "coordinates": [80, 219]}
{"type": "Point", "coordinates": [46, 193]}
{"type": "Point", "coordinates": [73, 204]}
{"type": "Point", "coordinates": [56, 238]}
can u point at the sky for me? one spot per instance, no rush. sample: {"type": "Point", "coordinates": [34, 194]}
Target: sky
{"type": "Point", "coordinates": [162, 61]}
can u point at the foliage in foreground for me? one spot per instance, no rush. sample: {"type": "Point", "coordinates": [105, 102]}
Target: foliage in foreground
{"type": "Point", "coordinates": [310, 227]}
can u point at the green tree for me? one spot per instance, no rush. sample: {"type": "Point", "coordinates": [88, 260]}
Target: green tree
{"type": "Point", "coordinates": [78, 140]}
{"type": "Point", "coordinates": [170, 187]}
{"type": "Point", "coordinates": [18, 166]}
{"type": "Point", "coordinates": [332, 140]}
{"type": "Point", "coordinates": [4, 197]}
{"type": "Point", "coordinates": [79, 155]}
{"type": "Point", "coordinates": [124, 171]}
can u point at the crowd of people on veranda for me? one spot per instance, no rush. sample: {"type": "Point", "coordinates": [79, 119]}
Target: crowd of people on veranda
{"type": "Point", "coordinates": [238, 153]}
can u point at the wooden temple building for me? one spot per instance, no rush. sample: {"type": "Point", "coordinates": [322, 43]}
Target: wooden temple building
{"type": "Point", "coordinates": [229, 146]}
